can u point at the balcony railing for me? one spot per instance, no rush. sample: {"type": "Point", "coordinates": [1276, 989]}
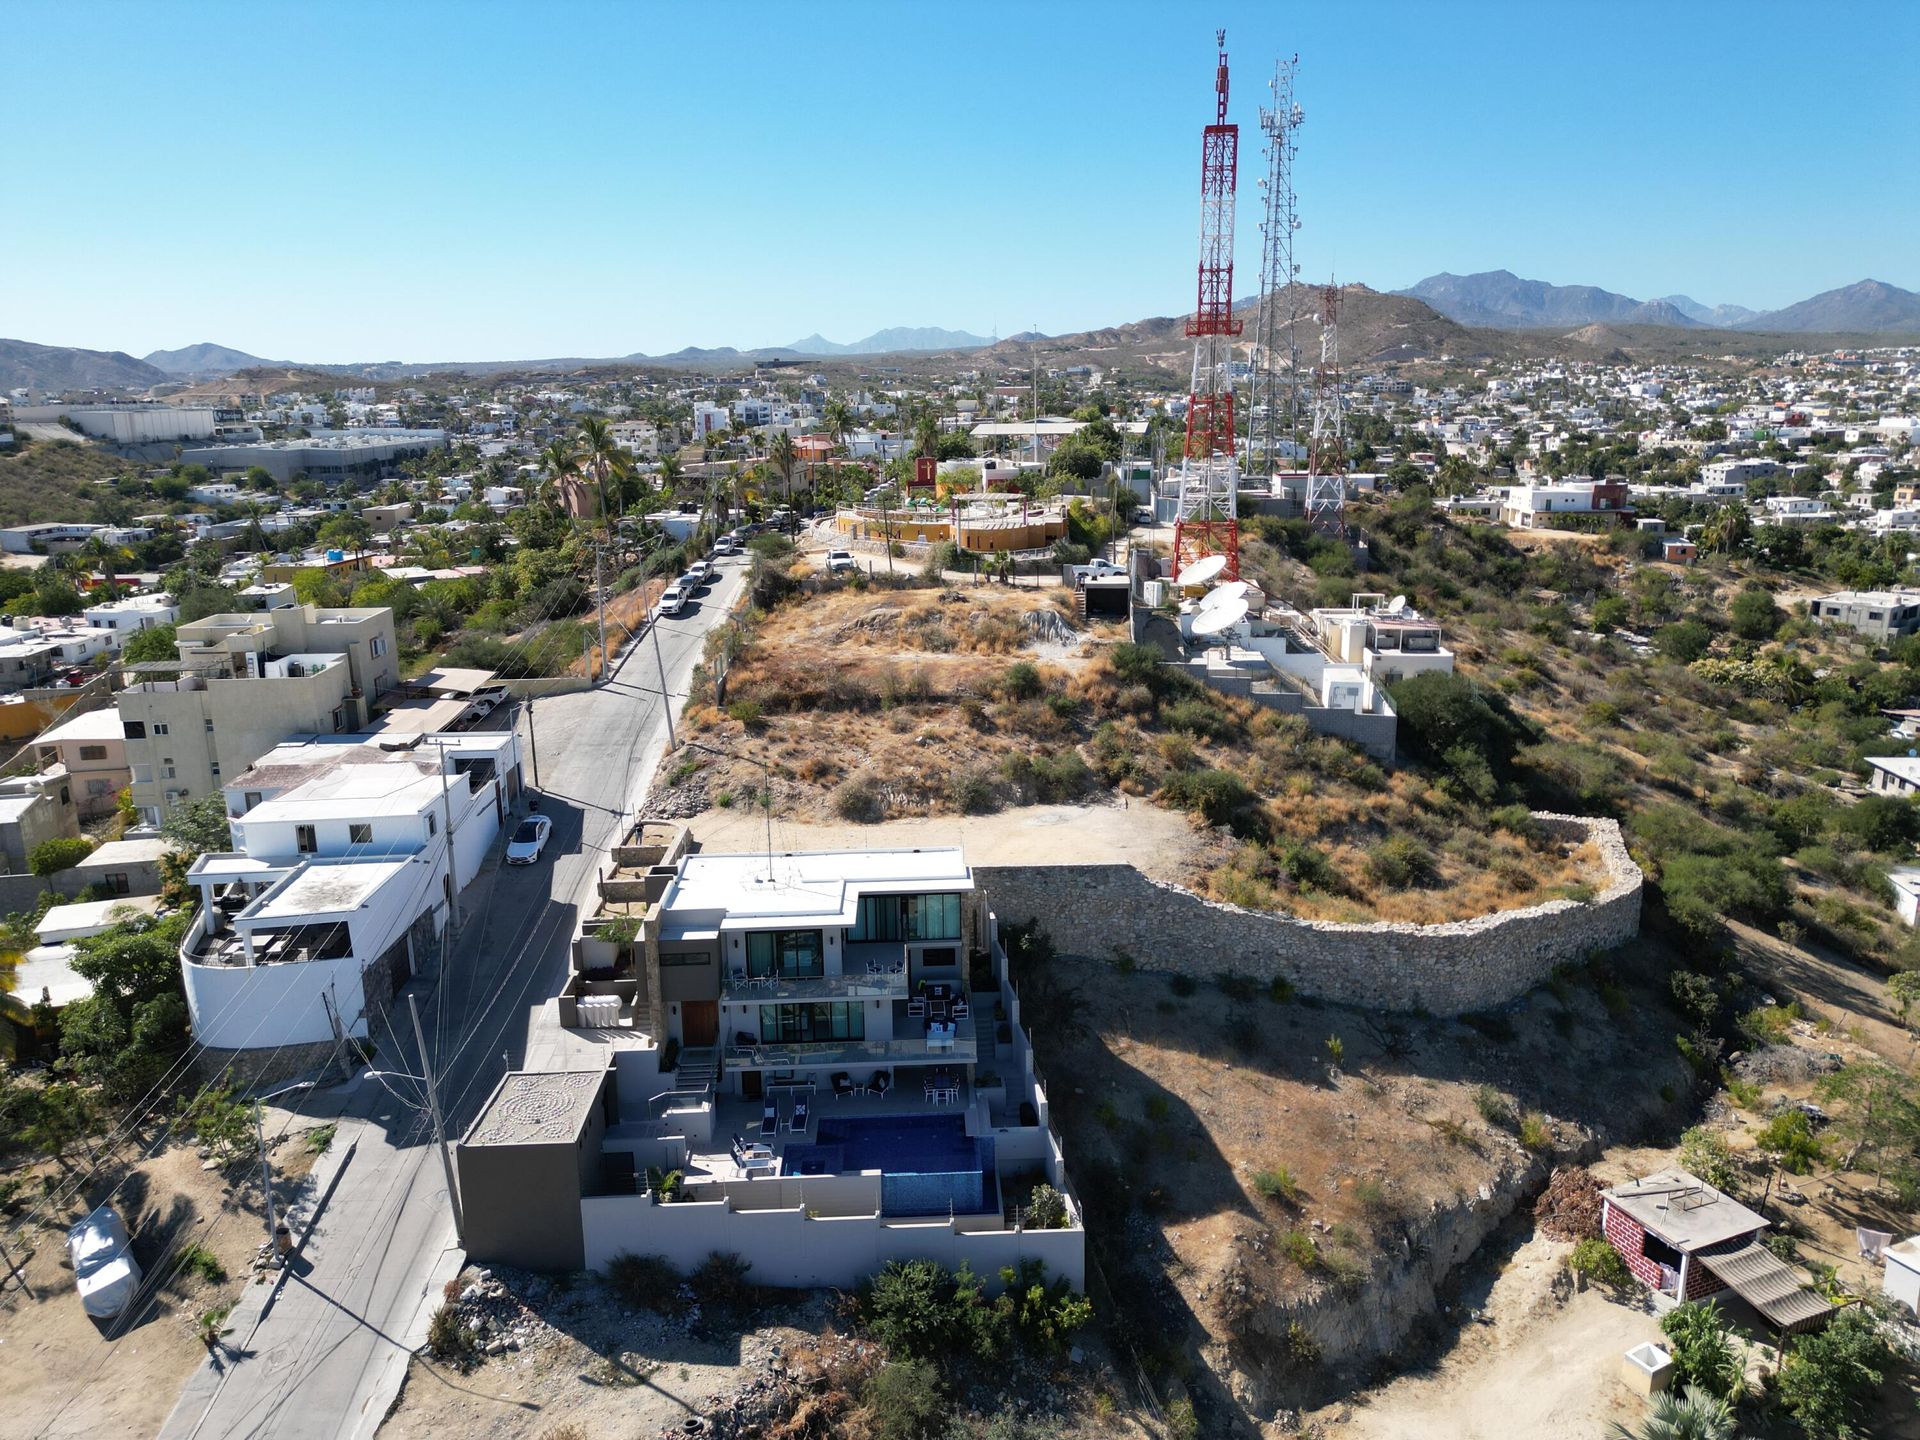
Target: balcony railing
{"type": "Point", "coordinates": [916, 1051]}
{"type": "Point", "coordinates": [884, 986]}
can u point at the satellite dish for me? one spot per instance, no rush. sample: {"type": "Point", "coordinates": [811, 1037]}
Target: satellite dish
{"type": "Point", "coordinates": [1223, 593]}
{"type": "Point", "coordinates": [1397, 604]}
{"type": "Point", "coordinates": [1203, 571]}
{"type": "Point", "coordinates": [1220, 619]}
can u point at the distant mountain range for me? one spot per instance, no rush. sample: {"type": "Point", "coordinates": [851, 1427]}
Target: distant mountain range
{"type": "Point", "coordinates": [61, 367]}
{"type": "Point", "coordinates": [1501, 300]}
{"type": "Point", "coordinates": [205, 361]}
{"type": "Point", "coordinates": [898, 340]}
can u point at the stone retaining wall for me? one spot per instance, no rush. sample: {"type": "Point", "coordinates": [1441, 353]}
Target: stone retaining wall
{"type": "Point", "coordinates": [1100, 911]}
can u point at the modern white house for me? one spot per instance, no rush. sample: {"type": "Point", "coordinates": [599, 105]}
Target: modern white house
{"type": "Point", "coordinates": [131, 615]}
{"type": "Point", "coordinates": [826, 1046]}
{"type": "Point", "coordinates": [348, 860]}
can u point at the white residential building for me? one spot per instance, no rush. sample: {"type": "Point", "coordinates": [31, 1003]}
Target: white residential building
{"type": "Point", "coordinates": [347, 865]}
{"type": "Point", "coordinates": [132, 615]}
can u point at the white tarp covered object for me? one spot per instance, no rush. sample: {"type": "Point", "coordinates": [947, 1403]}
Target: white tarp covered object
{"type": "Point", "coordinates": [104, 1270]}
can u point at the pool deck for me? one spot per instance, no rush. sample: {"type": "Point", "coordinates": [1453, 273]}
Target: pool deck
{"type": "Point", "coordinates": [734, 1116]}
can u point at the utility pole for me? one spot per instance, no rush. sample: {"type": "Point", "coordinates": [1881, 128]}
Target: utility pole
{"type": "Point", "coordinates": [266, 1169]}
{"type": "Point", "coordinates": [446, 808]}
{"type": "Point", "coordinates": [601, 591]}
{"type": "Point", "coordinates": [666, 700]}
{"type": "Point", "coordinates": [439, 1123]}
{"type": "Point", "coordinates": [533, 746]}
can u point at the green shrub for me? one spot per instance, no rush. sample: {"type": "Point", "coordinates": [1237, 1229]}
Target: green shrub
{"type": "Point", "coordinates": [1308, 868]}
{"type": "Point", "coordinates": [1021, 681]}
{"type": "Point", "coordinates": [1704, 1350]}
{"type": "Point", "coordinates": [1704, 1154]}
{"type": "Point", "coordinates": [1299, 1247]}
{"type": "Point", "coordinates": [904, 1401]}
{"type": "Point", "coordinates": [1277, 1183]}
{"type": "Point", "coordinates": [971, 792]}
{"type": "Point", "coordinates": [1828, 1377]}
{"type": "Point", "coordinates": [1400, 862]}
{"type": "Point", "coordinates": [1695, 995]}
{"type": "Point", "coordinates": [1534, 1133]}
{"type": "Point", "coordinates": [1493, 1106]}
{"type": "Point", "coordinates": [50, 857]}
{"type": "Point", "coordinates": [721, 1280]}
{"type": "Point", "coordinates": [1789, 1137]}
{"type": "Point", "coordinates": [450, 1338]}
{"type": "Point", "coordinates": [1196, 716]}
{"type": "Point", "coordinates": [200, 1262]}
{"type": "Point", "coordinates": [1135, 664]}
{"type": "Point", "coordinates": [646, 1282]}
{"type": "Point", "coordinates": [861, 799]}
{"type": "Point", "coordinates": [1217, 796]}
{"type": "Point", "coordinates": [1047, 1209]}
{"type": "Point", "coordinates": [1600, 1262]}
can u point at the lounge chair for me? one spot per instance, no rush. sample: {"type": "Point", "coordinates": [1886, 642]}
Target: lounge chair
{"type": "Point", "coordinates": [798, 1124]}
{"type": "Point", "coordinates": [881, 1082]}
{"type": "Point", "coordinates": [843, 1084]}
{"type": "Point", "coordinates": [769, 1119]}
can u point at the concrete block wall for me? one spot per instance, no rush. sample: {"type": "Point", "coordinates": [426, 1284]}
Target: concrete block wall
{"type": "Point", "coordinates": [1097, 911]}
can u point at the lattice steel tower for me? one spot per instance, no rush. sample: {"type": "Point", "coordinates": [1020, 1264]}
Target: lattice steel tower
{"type": "Point", "coordinates": [1208, 519]}
{"type": "Point", "coordinates": [1327, 449]}
{"type": "Point", "coordinates": [1276, 344]}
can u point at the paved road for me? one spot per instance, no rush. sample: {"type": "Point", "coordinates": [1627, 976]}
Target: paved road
{"type": "Point", "coordinates": [327, 1358]}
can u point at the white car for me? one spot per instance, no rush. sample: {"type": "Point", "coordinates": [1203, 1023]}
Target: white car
{"type": "Point", "coordinates": [701, 570]}
{"type": "Point", "coordinates": [672, 602]}
{"type": "Point", "coordinates": [529, 840]}
{"type": "Point", "coordinates": [104, 1270]}
{"type": "Point", "coordinates": [839, 560]}
{"type": "Point", "coordinates": [483, 703]}
{"type": "Point", "coordinates": [726, 545]}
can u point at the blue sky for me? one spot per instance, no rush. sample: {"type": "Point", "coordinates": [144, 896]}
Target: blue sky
{"type": "Point", "coordinates": [425, 181]}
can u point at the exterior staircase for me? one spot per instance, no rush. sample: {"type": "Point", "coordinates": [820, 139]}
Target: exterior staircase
{"type": "Point", "coordinates": [699, 1069]}
{"type": "Point", "coordinates": [986, 1021]}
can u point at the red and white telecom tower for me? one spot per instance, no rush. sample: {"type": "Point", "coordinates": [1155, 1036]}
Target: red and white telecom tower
{"type": "Point", "coordinates": [1208, 520]}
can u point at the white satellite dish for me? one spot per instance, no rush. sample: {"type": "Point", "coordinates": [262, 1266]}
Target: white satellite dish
{"type": "Point", "coordinates": [1220, 619]}
{"type": "Point", "coordinates": [1224, 593]}
{"type": "Point", "coordinates": [1397, 604]}
{"type": "Point", "coordinates": [1202, 571]}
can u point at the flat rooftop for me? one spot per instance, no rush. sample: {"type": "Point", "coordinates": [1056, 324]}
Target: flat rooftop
{"type": "Point", "coordinates": [1686, 1212]}
{"type": "Point", "coordinates": [326, 887]}
{"type": "Point", "coordinates": [809, 887]}
{"type": "Point", "coordinates": [539, 1108]}
{"type": "Point", "coordinates": [102, 724]}
{"type": "Point", "coordinates": [352, 792]}
{"type": "Point", "coordinates": [90, 917]}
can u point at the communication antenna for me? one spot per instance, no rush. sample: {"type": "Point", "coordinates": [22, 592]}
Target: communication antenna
{"type": "Point", "coordinates": [1276, 350]}
{"type": "Point", "coordinates": [1327, 449]}
{"type": "Point", "coordinates": [1207, 522]}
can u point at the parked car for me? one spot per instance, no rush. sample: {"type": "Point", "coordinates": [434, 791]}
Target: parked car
{"type": "Point", "coordinates": [529, 840]}
{"type": "Point", "coordinates": [1143, 515]}
{"type": "Point", "coordinates": [702, 571]}
{"type": "Point", "coordinates": [726, 545]}
{"type": "Point", "coordinates": [484, 702]}
{"type": "Point", "coordinates": [839, 560]}
{"type": "Point", "coordinates": [104, 1270]}
{"type": "Point", "coordinates": [672, 602]}
{"type": "Point", "coordinates": [1103, 568]}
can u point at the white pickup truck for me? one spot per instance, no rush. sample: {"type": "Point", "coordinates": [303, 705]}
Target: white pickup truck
{"type": "Point", "coordinates": [839, 561]}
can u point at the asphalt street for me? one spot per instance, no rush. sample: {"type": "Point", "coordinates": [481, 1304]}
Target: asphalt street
{"type": "Point", "coordinates": [326, 1358]}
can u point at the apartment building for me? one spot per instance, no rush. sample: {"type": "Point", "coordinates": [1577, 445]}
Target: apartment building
{"type": "Point", "coordinates": [131, 615]}
{"type": "Point", "coordinates": [92, 749]}
{"type": "Point", "coordinates": [34, 809]}
{"type": "Point", "coordinates": [1881, 615]}
{"type": "Point", "coordinates": [348, 859]}
{"type": "Point", "coordinates": [241, 684]}
{"type": "Point", "coordinates": [847, 1078]}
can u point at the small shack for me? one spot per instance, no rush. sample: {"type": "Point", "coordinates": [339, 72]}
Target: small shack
{"type": "Point", "coordinates": [1688, 1241]}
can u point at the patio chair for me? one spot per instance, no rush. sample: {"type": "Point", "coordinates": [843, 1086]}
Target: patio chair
{"type": "Point", "coordinates": [769, 1119]}
{"type": "Point", "coordinates": [798, 1124]}
{"type": "Point", "coordinates": [745, 1039]}
{"type": "Point", "coordinates": [843, 1084]}
{"type": "Point", "coordinates": [881, 1082]}
{"type": "Point", "coordinates": [916, 1007]}
{"type": "Point", "coordinates": [961, 1010]}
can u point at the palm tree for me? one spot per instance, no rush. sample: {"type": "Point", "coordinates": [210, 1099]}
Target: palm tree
{"type": "Point", "coordinates": [926, 435]}
{"type": "Point", "coordinates": [559, 463]}
{"type": "Point", "coordinates": [670, 472]}
{"type": "Point", "coordinates": [784, 457]}
{"type": "Point", "coordinates": [104, 559]}
{"type": "Point", "coordinates": [1695, 1414]}
{"type": "Point", "coordinates": [601, 454]}
{"type": "Point", "coordinates": [838, 417]}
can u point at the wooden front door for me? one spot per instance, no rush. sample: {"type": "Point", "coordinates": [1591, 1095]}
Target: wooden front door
{"type": "Point", "coordinates": [699, 1022]}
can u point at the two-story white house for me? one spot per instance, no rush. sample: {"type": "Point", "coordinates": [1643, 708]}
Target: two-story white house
{"type": "Point", "coordinates": [347, 864]}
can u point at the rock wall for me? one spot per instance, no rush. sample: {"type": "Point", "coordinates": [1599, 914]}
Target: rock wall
{"type": "Point", "coordinates": [1101, 911]}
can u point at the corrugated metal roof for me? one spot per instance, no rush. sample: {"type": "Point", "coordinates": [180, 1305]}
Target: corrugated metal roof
{"type": "Point", "coordinates": [1773, 1288]}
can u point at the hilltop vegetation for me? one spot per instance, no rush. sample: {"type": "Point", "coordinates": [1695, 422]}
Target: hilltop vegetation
{"type": "Point", "coordinates": [54, 480]}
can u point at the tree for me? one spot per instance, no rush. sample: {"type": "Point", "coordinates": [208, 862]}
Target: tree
{"type": "Point", "coordinates": [1693, 1414]}
{"type": "Point", "coordinates": [1727, 529]}
{"type": "Point", "coordinates": [1683, 642]}
{"type": "Point", "coordinates": [601, 456]}
{"type": "Point", "coordinates": [1754, 615]}
{"type": "Point", "coordinates": [50, 857]}
{"type": "Point", "coordinates": [1880, 1112]}
{"type": "Point", "coordinates": [1827, 1376]}
{"type": "Point", "coordinates": [198, 827]}
{"type": "Point", "coordinates": [560, 465]}
{"type": "Point", "coordinates": [838, 417]}
{"type": "Point", "coordinates": [155, 643]}
{"type": "Point", "coordinates": [346, 532]}
{"type": "Point", "coordinates": [1705, 1354]}
{"type": "Point", "coordinates": [784, 457]}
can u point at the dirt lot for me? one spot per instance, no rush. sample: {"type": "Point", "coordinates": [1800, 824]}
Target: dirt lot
{"type": "Point", "coordinates": [979, 702]}
{"type": "Point", "coordinates": [65, 1375]}
{"type": "Point", "coordinates": [1235, 1178]}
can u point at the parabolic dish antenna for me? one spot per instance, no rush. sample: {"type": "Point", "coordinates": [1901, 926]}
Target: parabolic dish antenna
{"type": "Point", "coordinates": [1202, 571]}
{"type": "Point", "coordinates": [1224, 593]}
{"type": "Point", "coordinates": [1220, 619]}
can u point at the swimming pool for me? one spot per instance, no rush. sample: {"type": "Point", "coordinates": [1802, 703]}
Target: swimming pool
{"type": "Point", "coordinates": [929, 1164]}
